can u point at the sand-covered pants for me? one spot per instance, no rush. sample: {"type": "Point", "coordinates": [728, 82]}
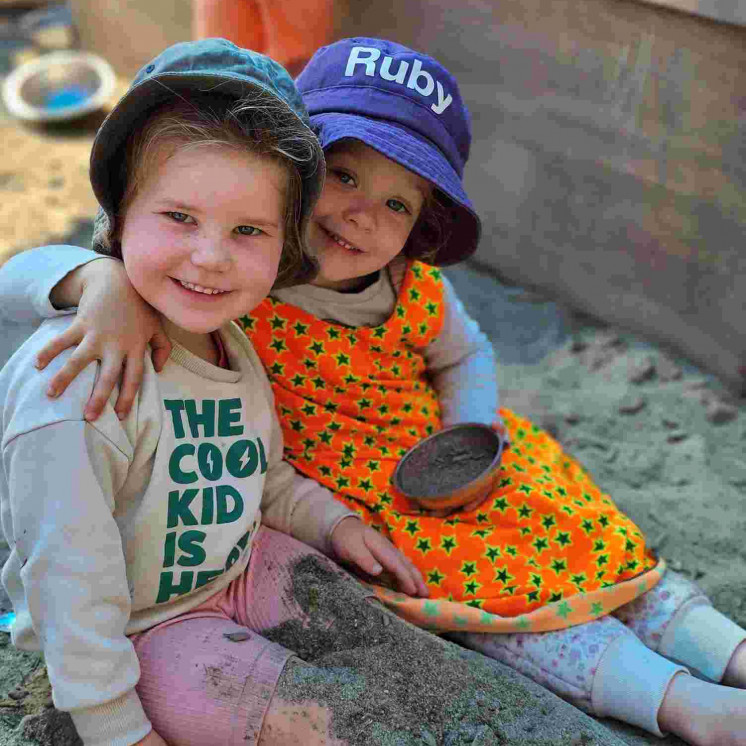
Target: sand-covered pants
{"type": "Point", "coordinates": [200, 687]}
{"type": "Point", "coordinates": [620, 666]}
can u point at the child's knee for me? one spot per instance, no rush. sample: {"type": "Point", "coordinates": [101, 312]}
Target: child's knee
{"type": "Point", "coordinates": [288, 581]}
{"type": "Point", "coordinates": [650, 614]}
{"type": "Point", "coordinates": [201, 675]}
{"type": "Point", "coordinates": [291, 717]}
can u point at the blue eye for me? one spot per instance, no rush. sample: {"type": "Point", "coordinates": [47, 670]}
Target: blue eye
{"type": "Point", "coordinates": [397, 206]}
{"type": "Point", "coordinates": [179, 217]}
{"type": "Point", "coordinates": [344, 177]}
{"type": "Point", "coordinates": [248, 230]}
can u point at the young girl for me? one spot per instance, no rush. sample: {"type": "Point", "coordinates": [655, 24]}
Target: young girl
{"type": "Point", "coordinates": [376, 352]}
{"type": "Point", "coordinates": [135, 540]}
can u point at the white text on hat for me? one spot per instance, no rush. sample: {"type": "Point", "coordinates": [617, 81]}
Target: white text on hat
{"type": "Point", "coordinates": [416, 76]}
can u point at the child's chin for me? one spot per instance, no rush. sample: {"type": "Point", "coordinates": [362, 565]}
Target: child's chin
{"type": "Point", "coordinates": [338, 272]}
{"type": "Point", "coordinates": [196, 325]}
{"type": "Point", "coordinates": [335, 282]}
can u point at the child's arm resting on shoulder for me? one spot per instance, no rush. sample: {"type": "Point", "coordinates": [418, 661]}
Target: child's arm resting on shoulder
{"type": "Point", "coordinates": [67, 570]}
{"type": "Point", "coordinates": [113, 323]}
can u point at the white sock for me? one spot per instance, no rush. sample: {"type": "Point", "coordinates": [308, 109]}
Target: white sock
{"type": "Point", "coordinates": [631, 682]}
{"type": "Point", "coordinates": [702, 638]}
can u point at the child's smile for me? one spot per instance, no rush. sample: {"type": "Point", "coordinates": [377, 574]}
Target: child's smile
{"type": "Point", "coordinates": [344, 244]}
{"type": "Point", "coordinates": [365, 214]}
{"type": "Point", "coordinates": [200, 289]}
{"type": "Point", "coordinates": [202, 239]}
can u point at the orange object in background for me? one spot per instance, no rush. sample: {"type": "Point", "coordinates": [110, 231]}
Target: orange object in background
{"type": "Point", "coordinates": [285, 30]}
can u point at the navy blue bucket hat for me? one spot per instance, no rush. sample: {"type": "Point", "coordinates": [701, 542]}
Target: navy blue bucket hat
{"type": "Point", "coordinates": [406, 106]}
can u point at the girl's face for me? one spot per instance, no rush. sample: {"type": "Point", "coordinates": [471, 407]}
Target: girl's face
{"type": "Point", "coordinates": [202, 238]}
{"type": "Point", "coordinates": [365, 214]}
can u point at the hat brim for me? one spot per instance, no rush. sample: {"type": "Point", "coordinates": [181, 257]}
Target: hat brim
{"type": "Point", "coordinates": [417, 155]}
{"type": "Point", "coordinates": [107, 162]}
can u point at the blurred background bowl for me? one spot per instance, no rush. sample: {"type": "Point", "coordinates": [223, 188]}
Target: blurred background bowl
{"type": "Point", "coordinates": [452, 467]}
{"type": "Point", "coordinates": [59, 86]}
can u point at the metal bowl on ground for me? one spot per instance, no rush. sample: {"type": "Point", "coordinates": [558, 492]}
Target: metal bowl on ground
{"type": "Point", "coordinates": [59, 86]}
{"type": "Point", "coordinates": [452, 467]}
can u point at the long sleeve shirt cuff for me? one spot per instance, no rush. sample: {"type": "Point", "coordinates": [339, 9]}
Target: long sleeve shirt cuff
{"type": "Point", "coordinates": [120, 722]}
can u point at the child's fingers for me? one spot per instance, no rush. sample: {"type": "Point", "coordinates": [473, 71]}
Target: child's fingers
{"type": "Point", "coordinates": [420, 587]}
{"type": "Point", "coordinates": [69, 338]}
{"type": "Point", "coordinates": [499, 427]}
{"type": "Point", "coordinates": [78, 360]}
{"type": "Point", "coordinates": [415, 576]}
{"type": "Point", "coordinates": [359, 554]}
{"type": "Point", "coordinates": [409, 577]}
{"type": "Point", "coordinates": [131, 380]}
{"type": "Point", "coordinates": [372, 553]}
{"type": "Point", "coordinates": [161, 349]}
{"type": "Point", "coordinates": [111, 370]}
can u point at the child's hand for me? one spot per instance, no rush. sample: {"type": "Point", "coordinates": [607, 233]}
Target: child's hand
{"type": "Point", "coordinates": [152, 739]}
{"type": "Point", "coordinates": [113, 325]}
{"type": "Point", "coordinates": [359, 544]}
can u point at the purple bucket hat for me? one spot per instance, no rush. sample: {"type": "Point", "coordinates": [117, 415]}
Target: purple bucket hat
{"type": "Point", "coordinates": [406, 106]}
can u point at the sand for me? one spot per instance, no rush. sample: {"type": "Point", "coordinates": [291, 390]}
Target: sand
{"type": "Point", "coordinates": [45, 194]}
{"type": "Point", "coordinates": [44, 185]}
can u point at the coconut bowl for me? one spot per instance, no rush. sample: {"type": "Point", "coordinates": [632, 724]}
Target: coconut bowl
{"type": "Point", "coordinates": [59, 86]}
{"type": "Point", "coordinates": [452, 467]}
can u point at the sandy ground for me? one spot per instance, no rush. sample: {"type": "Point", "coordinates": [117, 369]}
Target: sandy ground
{"type": "Point", "coordinates": [662, 438]}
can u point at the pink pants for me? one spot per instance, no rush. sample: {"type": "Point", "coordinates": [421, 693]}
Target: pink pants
{"type": "Point", "coordinates": [199, 686]}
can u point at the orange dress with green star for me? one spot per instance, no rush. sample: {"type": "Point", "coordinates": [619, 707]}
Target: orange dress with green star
{"type": "Point", "coordinates": [548, 549]}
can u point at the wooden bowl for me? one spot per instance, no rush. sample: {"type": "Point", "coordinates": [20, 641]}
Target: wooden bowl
{"type": "Point", "coordinates": [59, 86]}
{"type": "Point", "coordinates": [452, 467]}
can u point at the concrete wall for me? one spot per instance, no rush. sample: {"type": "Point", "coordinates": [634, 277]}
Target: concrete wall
{"type": "Point", "coordinates": [609, 157]}
{"type": "Point", "coordinates": [609, 146]}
